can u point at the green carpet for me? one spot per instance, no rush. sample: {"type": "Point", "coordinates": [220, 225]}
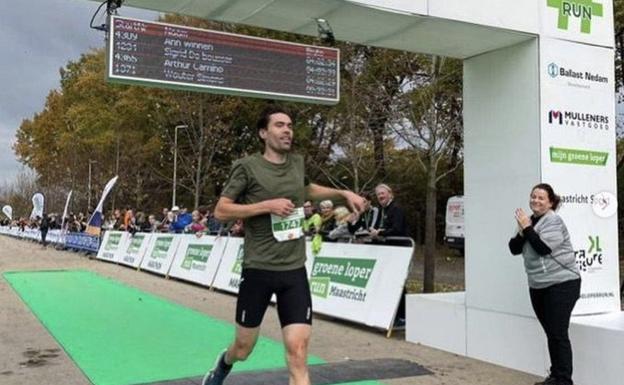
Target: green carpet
{"type": "Point", "coordinates": [119, 335]}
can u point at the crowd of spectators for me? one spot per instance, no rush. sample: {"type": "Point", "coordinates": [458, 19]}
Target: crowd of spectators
{"type": "Point", "coordinates": [329, 221]}
{"type": "Point", "coordinates": [177, 220]}
{"type": "Point", "coordinates": [377, 224]}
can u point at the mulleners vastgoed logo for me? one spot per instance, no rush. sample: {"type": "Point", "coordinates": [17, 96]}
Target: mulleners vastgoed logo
{"type": "Point", "coordinates": [578, 119]}
{"type": "Point", "coordinates": [583, 10]}
{"type": "Point", "coordinates": [345, 278]}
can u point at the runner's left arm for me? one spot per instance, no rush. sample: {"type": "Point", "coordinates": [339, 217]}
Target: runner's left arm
{"type": "Point", "coordinates": [317, 192]}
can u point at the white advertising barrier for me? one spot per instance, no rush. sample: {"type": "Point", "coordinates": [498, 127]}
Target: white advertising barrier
{"type": "Point", "coordinates": [160, 253]}
{"type": "Point", "coordinates": [32, 234]}
{"type": "Point", "coordinates": [111, 243]}
{"type": "Point", "coordinates": [197, 259]}
{"type": "Point", "coordinates": [359, 283]}
{"type": "Point", "coordinates": [55, 236]}
{"type": "Point", "coordinates": [229, 271]}
{"type": "Point", "coordinates": [133, 250]}
{"type": "Point", "coordinates": [579, 161]}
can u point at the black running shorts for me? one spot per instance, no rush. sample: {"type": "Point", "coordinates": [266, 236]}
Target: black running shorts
{"type": "Point", "coordinates": [294, 304]}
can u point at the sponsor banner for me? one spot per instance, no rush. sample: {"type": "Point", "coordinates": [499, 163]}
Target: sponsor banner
{"type": "Point", "coordinates": [359, 283]}
{"type": "Point", "coordinates": [112, 241]}
{"type": "Point", "coordinates": [229, 272]}
{"type": "Point", "coordinates": [134, 249]}
{"type": "Point", "coordinates": [65, 210]}
{"type": "Point", "coordinates": [8, 211]}
{"type": "Point", "coordinates": [55, 236]}
{"type": "Point", "coordinates": [585, 21]}
{"type": "Point", "coordinates": [197, 259]}
{"type": "Point", "coordinates": [576, 156]}
{"type": "Point", "coordinates": [37, 201]}
{"type": "Point", "coordinates": [160, 253]}
{"type": "Point", "coordinates": [94, 225]}
{"type": "Point", "coordinates": [579, 161]}
{"type": "Point", "coordinates": [83, 242]}
{"type": "Point", "coordinates": [32, 234]}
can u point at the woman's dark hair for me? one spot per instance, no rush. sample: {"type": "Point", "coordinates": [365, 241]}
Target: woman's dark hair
{"type": "Point", "coordinates": [552, 197]}
{"type": "Point", "coordinates": [265, 116]}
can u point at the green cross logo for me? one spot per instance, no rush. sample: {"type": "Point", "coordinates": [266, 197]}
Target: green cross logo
{"type": "Point", "coordinates": [580, 9]}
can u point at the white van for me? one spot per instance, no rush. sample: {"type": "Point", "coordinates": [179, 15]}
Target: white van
{"type": "Point", "coordinates": [454, 229]}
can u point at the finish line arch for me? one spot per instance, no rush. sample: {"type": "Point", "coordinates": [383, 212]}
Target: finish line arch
{"type": "Point", "coordinates": [539, 105]}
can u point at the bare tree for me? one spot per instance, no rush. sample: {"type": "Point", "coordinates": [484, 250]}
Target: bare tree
{"type": "Point", "coordinates": [430, 124]}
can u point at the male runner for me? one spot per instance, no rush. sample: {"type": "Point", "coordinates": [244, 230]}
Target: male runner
{"type": "Point", "coordinates": [267, 191]}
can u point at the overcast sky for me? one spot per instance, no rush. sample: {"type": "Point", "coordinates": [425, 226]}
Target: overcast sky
{"type": "Point", "coordinates": [37, 38]}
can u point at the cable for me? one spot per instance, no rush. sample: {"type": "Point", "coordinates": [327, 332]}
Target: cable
{"type": "Point", "coordinates": [111, 8]}
{"type": "Point", "coordinates": [100, 27]}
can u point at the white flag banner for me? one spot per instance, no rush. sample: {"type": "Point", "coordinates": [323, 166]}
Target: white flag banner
{"type": "Point", "coordinates": [66, 208]}
{"type": "Point", "coordinates": [8, 211]}
{"type": "Point", "coordinates": [94, 225]}
{"type": "Point", "coordinates": [37, 201]}
{"type": "Point", "coordinates": [107, 189]}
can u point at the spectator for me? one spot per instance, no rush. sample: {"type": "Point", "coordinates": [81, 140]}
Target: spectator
{"type": "Point", "coordinates": [341, 218]}
{"type": "Point", "coordinates": [165, 225]}
{"type": "Point", "coordinates": [181, 220]}
{"type": "Point", "coordinates": [328, 222]}
{"type": "Point", "coordinates": [153, 224]}
{"type": "Point", "coordinates": [81, 224]}
{"type": "Point", "coordinates": [132, 226]}
{"type": "Point", "coordinates": [109, 221]}
{"type": "Point", "coordinates": [312, 222]}
{"type": "Point", "coordinates": [391, 221]}
{"type": "Point", "coordinates": [196, 225]}
{"type": "Point", "coordinates": [44, 225]}
{"type": "Point", "coordinates": [367, 220]}
{"type": "Point", "coordinates": [165, 214]}
{"type": "Point", "coordinates": [552, 273]}
{"type": "Point", "coordinates": [118, 221]}
{"type": "Point", "coordinates": [214, 226]}
{"type": "Point", "coordinates": [128, 217]}
{"type": "Point", "coordinates": [237, 229]}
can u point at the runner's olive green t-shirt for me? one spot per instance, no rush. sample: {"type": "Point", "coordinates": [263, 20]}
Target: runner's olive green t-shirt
{"type": "Point", "coordinates": [254, 179]}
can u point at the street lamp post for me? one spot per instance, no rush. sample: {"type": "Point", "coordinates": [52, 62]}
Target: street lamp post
{"type": "Point", "coordinates": [175, 162]}
{"type": "Point", "coordinates": [89, 188]}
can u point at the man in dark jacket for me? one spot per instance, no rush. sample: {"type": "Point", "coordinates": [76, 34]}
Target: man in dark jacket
{"type": "Point", "coordinates": [44, 225]}
{"type": "Point", "coordinates": [391, 220]}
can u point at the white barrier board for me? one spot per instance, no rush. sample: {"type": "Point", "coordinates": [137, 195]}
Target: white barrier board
{"type": "Point", "coordinates": [228, 274]}
{"type": "Point", "coordinates": [197, 259]}
{"type": "Point", "coordinates": [135, 247]}
{"type": "Point", "coordinates": [111, 243]}
{"type": "Point", "coordinates": [359, 283]}
{"type": "Point", "coordinates": [160, 253]}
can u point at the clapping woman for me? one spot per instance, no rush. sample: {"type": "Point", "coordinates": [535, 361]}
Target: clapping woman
{"type": "Point", "coordinates": [554, 279]}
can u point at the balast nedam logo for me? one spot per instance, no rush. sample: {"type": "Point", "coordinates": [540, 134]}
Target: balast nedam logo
{"type": "Point", "coordinates": [578, 119]}
{"type": "Point", "coordinates": [556, 71]}
{"type": "Point", "coordinates": [584, 10]}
